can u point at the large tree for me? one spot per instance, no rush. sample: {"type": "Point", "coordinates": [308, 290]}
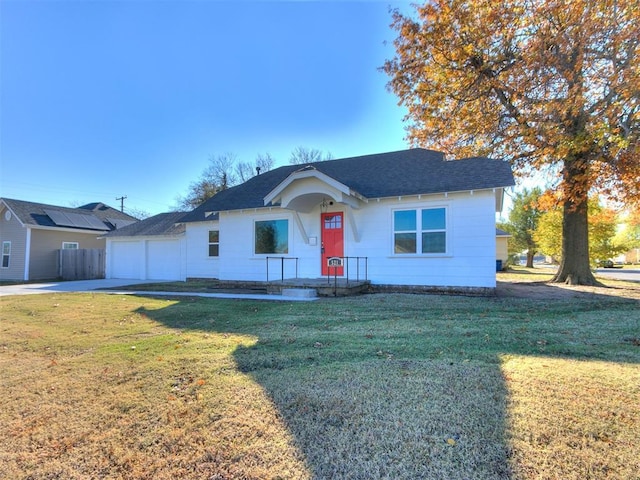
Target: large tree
{"type": "Point", "coordinates": [603, 223]}
{"type": "Point", "coordinates": [544, 84]}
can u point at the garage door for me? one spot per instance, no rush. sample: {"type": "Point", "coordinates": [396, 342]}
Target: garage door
{"type": "Point", "coordinates": [163, 260]}
{"type": "Point", "coordinates": [125, 259]}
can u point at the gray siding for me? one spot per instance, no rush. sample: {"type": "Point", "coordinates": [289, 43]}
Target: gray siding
{"type": "Point", "coordinates": [45, 244]}
{"type": "Point", "coordinates": [15, 233]}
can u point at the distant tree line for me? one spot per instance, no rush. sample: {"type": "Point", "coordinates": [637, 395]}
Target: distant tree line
{"type": "Point", "coordinates": [226, 170]}
{"type": "Point", "coordinates": [535, 226]}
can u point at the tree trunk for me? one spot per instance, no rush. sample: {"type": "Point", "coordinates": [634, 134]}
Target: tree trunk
{"type": "Point", "coordinates": [530, 255]}
{"type": "Point", "coordinates": [575, 268]}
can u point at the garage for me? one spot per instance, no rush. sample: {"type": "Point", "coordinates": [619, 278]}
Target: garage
{"type": "Point", "coordinates": [124, 259]}
{"type": "Point", "coordinates": [163, 260]}
{"type": "Point", "coordinates": [152, 249]}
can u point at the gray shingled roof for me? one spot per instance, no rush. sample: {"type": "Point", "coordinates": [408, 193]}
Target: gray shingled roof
{"type": "Point", "coordinates": [406, 172]}
{"type": "Point", "coordinates": [31, 213]}
{"type": "Point", "coordinates": [161, 224]}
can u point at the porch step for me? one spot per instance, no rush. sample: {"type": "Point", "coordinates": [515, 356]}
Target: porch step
{"type": "Point", "coordinates": [299, 292]}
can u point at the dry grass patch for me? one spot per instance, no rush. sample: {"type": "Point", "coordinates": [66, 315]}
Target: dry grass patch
{"type": "Point", "coordinates": [573, 419]}
{"type": "Point", "coordinates": [386, 418]}
{"type": "Point", "coordinates": [379, 386]}
{"type": "Point", "coordinates": [97, 390]}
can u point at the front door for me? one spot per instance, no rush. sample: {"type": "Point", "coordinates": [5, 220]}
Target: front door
{"type": "Point", "coordinates": [332, 241]}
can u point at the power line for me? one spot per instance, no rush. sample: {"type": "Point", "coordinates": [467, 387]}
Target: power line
{"type": "Point", "coordinates": [121, 202]}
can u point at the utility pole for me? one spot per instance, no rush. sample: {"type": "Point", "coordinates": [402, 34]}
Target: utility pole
{"type": "Point", "coordinates": [121, 202]}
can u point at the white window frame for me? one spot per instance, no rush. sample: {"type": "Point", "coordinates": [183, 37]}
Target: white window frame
{"type": "Point", "coordinates": [255, 224]}
{"type": "Point", "coordinates": [420, 230]}
{"type": "Point", "coordinates": [7, 244]}
{"type": "Point", "coordinates": [70, 245]}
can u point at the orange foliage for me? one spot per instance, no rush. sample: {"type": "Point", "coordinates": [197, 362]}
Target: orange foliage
{"type": "Point", "coordinates": [541, 84]}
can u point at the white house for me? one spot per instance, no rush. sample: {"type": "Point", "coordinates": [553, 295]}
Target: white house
{"type": "Point", "coordinates": [406, 218]}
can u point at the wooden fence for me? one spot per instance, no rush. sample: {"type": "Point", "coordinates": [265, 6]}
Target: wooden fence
{"type": "Point", "coordinates": [82, 264]}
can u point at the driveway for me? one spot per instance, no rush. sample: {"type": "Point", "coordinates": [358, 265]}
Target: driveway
{"type": "Point", "coordinates": [93, 285]}
{"type": "Point", "coordinates": [74, 286]}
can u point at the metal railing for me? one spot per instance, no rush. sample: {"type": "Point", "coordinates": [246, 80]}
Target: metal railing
{"type": "Point", "coordinates": [282, 260]}
{"type": "Point", "coordinates": [364, 261]}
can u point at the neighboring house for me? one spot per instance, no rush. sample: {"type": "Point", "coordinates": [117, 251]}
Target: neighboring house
{"type": "Point", "coordinates": [417, 219]}
{"type": "Point", "coordinates": [32, 234]}
{"type": "Point", "coordinates": [502, 249]}
{"type": "Point", "coordinates": [151, 249]}
{"type": "Point", "coordinates": [632, 256]}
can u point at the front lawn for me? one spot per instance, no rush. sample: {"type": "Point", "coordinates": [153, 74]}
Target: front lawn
{"type": "Point", "coordinates": [377, 386]}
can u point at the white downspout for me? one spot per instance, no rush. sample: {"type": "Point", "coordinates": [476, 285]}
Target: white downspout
{"type": "Point", "coordinates": [27, 255]}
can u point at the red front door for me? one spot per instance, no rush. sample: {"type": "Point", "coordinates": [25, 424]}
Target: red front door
{"type": "Point", "coordinates": [332, 241]}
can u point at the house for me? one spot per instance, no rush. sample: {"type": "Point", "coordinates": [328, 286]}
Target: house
{"type": "Point", "coordinates": [32, 235]}
{"type": "Point", "coordinates": [151, 249]}
{"type": "Point", "coordinates": [502, 249]}
{"type": "Point", "coordinates": [409, 218]}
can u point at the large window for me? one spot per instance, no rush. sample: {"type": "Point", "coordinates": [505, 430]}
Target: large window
{"type": "Point", "coordinates": [6, 254]}
{"type": "Point", "coordinates": [420, 231]}
{"type": "Point", "coordinates": [272, 236]}
{"type": "Point", "coordinates": [214, 243]}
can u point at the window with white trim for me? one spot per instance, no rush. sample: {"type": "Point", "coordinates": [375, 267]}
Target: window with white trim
{"type": "Point", "coordinates": [271, 236]}
{"type": "Point", "coordinates": [214, 243]}
{"type": "Point", "coordinates": [6, 254]}
{"type": "Point", "coordinates": [420, 231]}
{"type": "Point", "coordinates": [70, 245]}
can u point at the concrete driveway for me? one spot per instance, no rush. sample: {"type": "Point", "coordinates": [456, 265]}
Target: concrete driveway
{"type": "Point", "coordinates": [74, 286]}
{"type": "Point", "coordinates": [93, 285]}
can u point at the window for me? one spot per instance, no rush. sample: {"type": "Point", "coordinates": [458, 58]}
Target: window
{"type": "Point", "coordinates": [214, 243]}
{"type": "Point", "coordinates": [272, 236]}
{"type": "Point", "coordinates": [405, 234]}
{"type": "Point", "coordinates": [6, 253]}
{"type": "Point", "coordinates": [430, 222]}
{"type": "Point", "coordinates": [70, 245]}
{"type": "Point", "coordinates": [434, 236]}
{"type": "Point", "coordinates": [333, 222]}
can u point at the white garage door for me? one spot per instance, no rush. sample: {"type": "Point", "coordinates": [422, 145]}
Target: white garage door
{"type": "Point", "coordinates": [125, 259]}
{"type": "Point", "coordinates": [163, 260]}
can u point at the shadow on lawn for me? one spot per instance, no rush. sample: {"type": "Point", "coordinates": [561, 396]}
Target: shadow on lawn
{"type": "Point", "coordinates": [366, 398]}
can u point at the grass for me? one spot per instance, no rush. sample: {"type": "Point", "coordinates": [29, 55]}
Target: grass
{"type": "Point", "coordinates": [378, 386]}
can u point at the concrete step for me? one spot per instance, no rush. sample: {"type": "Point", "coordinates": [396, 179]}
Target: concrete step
{"type": "Point", "coordinates": [299, 292]}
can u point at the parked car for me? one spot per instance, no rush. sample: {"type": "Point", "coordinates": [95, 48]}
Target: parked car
{"type": "Point", "coordinates": [608, 264]}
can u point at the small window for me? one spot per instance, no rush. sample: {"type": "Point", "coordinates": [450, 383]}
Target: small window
{"type": "Point", "coordinates": [70, 245]}
{"type": "Point", "coordinates": [333, 222]}
{"type": "Point", "coordinates": [214, 243]}
{"type": "Point", "coordinates": [6, 254]}
{"type": "Point", "coordinates": [272, 236]}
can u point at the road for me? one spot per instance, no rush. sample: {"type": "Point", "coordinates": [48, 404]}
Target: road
{"type": "Point", "coordinates": [619, 273]}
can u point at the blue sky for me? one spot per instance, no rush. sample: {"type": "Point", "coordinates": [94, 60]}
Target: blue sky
{"type": "Point", "coordinates": [101, 99]}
